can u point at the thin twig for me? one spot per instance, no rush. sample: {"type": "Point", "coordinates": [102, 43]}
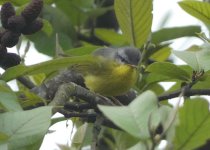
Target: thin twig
{"type": "Point", "coordinates": [172, 119]}
{"type": "Point", "coordinates": [96, 131]}
{"type": "Point", "coordinates": [189, 92]}
{"type": "Point", "coordinates": [26, 82]}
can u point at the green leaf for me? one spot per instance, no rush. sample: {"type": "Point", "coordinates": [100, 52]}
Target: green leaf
{"type": "Point", "coordinates": [191, 58]}
{"type": "Point", "coordinates": [111, 37]}
{"type": "Point", "coordinates": [135, 20]}
{"type": "Point", "coordinates": [169, 70]}
{"type": "Point", "coordinates": [122, 140]}
{"type": "Point", "coordinates": [98, 11]}
{"type": "Point", "coordinates": [45, 67]}
{"type": "Point", "coordinates": [156, 88]}
{"type": "Point", "coordinates": [139, 146]}
{"type": "Point", "coordinates": [134, 117]}
{"type": "Point", "coordinates": [155, 77]}
{"type": "Point", "coordinates": [84, 50]}
{"type": "Point", "coordinates": [47, 27]}
{"type": "Point", "coordinates": [9, 101]}
{"type": "Point", "coordinates": [4, 87]}
{"type": "Point", "coordinates": [198, 60]}
{"type": "Point", "coordinates": [30, 98]}
{"type": "Point", "coordinates": [203, 83]}
{"type": "Point", "coordinates": [200, 10]}
{"type": "Point", "coordinates": [193, 129]}
{"type": "Point", "coordinates": [3, 147]}
{"type": "Point", "coordinates": [79, 136]}
{"type": "Point", "coordinates": [167, 34]}
{"type": "Point", "coordinates": [8, 98]}
{"type": "Point", "coordinates": [45, 43]}
{"type": "Point", "coordinates": [76, 10]}
{"type": "Point", "coordinates": [14, 2]}
{"type": "Point", "coordinates": [168, 120]}
{"type": "Point", "coordinates": [162, 54]}
{"type": "Point", "coordinates": [3, 137]}
{"type": "Point", "coordinates": [25, 128]}
{"type": "Point", "coordinates": [38, 79]}
{"type": "Point", "coordinates": [22, 2]}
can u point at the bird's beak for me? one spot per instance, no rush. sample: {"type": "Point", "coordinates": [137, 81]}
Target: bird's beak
{"type": "Point", "coordinates": [134, 66]}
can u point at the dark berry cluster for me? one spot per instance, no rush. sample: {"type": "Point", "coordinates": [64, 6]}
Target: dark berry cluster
{"type": "Point", "coordinates": [14, 25]}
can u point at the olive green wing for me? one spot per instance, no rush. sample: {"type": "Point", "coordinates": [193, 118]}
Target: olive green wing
{"type": "Point", "coordinates": [97, 67]}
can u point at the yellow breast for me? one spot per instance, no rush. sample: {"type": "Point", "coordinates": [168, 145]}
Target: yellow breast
{"type": "Point", "coordinates": [115, 82]}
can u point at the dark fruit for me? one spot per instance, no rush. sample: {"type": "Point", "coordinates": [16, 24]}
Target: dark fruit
{"type": "Point", "coordinates": [32, 11]}
{"type": "Point", "coordinates": [33, 27]}
{"type": "Point", "coordinates": [3, 51]}
{"type": "Point", "coordinates": [7, 10]}
{"type": "Point", "coordinates": [1, 33]}
{"type": "Point", "coordinates": [16, 23]}
{"type": "Point", "coordinates": [9, 38]}
{"type": "Point", "coordinates": [10, 60]}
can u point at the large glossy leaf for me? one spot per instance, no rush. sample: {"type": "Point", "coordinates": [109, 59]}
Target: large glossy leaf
{"type": "Point", "coordinates": [200, 10]}
{"type": "Point", "coordinates": [169, 70]}
{"type": "Point", "coordinates": [193, 129]}
{"type": "Point", "coordinates": [45, 67]}
{"type": "Point", "coordinates": [198, 60]}
{"type": "Point", "coordinates": [167, 34]}
{"type": "Point", "coordinates": [25, 128]}
{"type": "Point", "coordinates": [134, 117]}
{"type": "Point", "coordinates": [135, 20]}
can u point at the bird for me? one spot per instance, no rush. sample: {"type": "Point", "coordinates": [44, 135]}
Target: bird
{"type": "Point", "coordinates": [114, 71]}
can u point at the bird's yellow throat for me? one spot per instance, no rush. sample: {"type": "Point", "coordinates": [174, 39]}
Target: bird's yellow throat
{"type": "Point", "coordinates": [115, 81]}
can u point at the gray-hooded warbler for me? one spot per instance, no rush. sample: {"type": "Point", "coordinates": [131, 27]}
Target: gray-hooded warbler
{"type": "Point", "coordinates": [114, 72]}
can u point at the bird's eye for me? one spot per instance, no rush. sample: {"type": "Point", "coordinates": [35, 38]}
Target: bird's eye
{"type": "Point", "coordinates": [122, 59]}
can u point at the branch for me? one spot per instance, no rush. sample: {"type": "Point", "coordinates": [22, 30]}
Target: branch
{"type": "Point", "coordinates": [26, 82]}
{"type": "Point", "coordinates": [48, 89]}
{"type": "Point", "coordinates": [88, 117]}
{"type": "Point", "coordinates": [188, 92]}
{"type": "Point", "coordinates": [68, 90]}
{"type": "Point", "coordinates": [77, 106]}
{"type": "Point", "coordinates": [68, 114]}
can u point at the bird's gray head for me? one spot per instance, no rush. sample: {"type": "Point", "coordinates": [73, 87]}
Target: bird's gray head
{"type": "Point", "coordinates": [128, 55]}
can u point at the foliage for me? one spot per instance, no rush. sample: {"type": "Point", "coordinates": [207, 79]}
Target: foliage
{"type": "Point", "coordinates": [194, 132]}
{"type": "Point", "coordinates": [73, 29]}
